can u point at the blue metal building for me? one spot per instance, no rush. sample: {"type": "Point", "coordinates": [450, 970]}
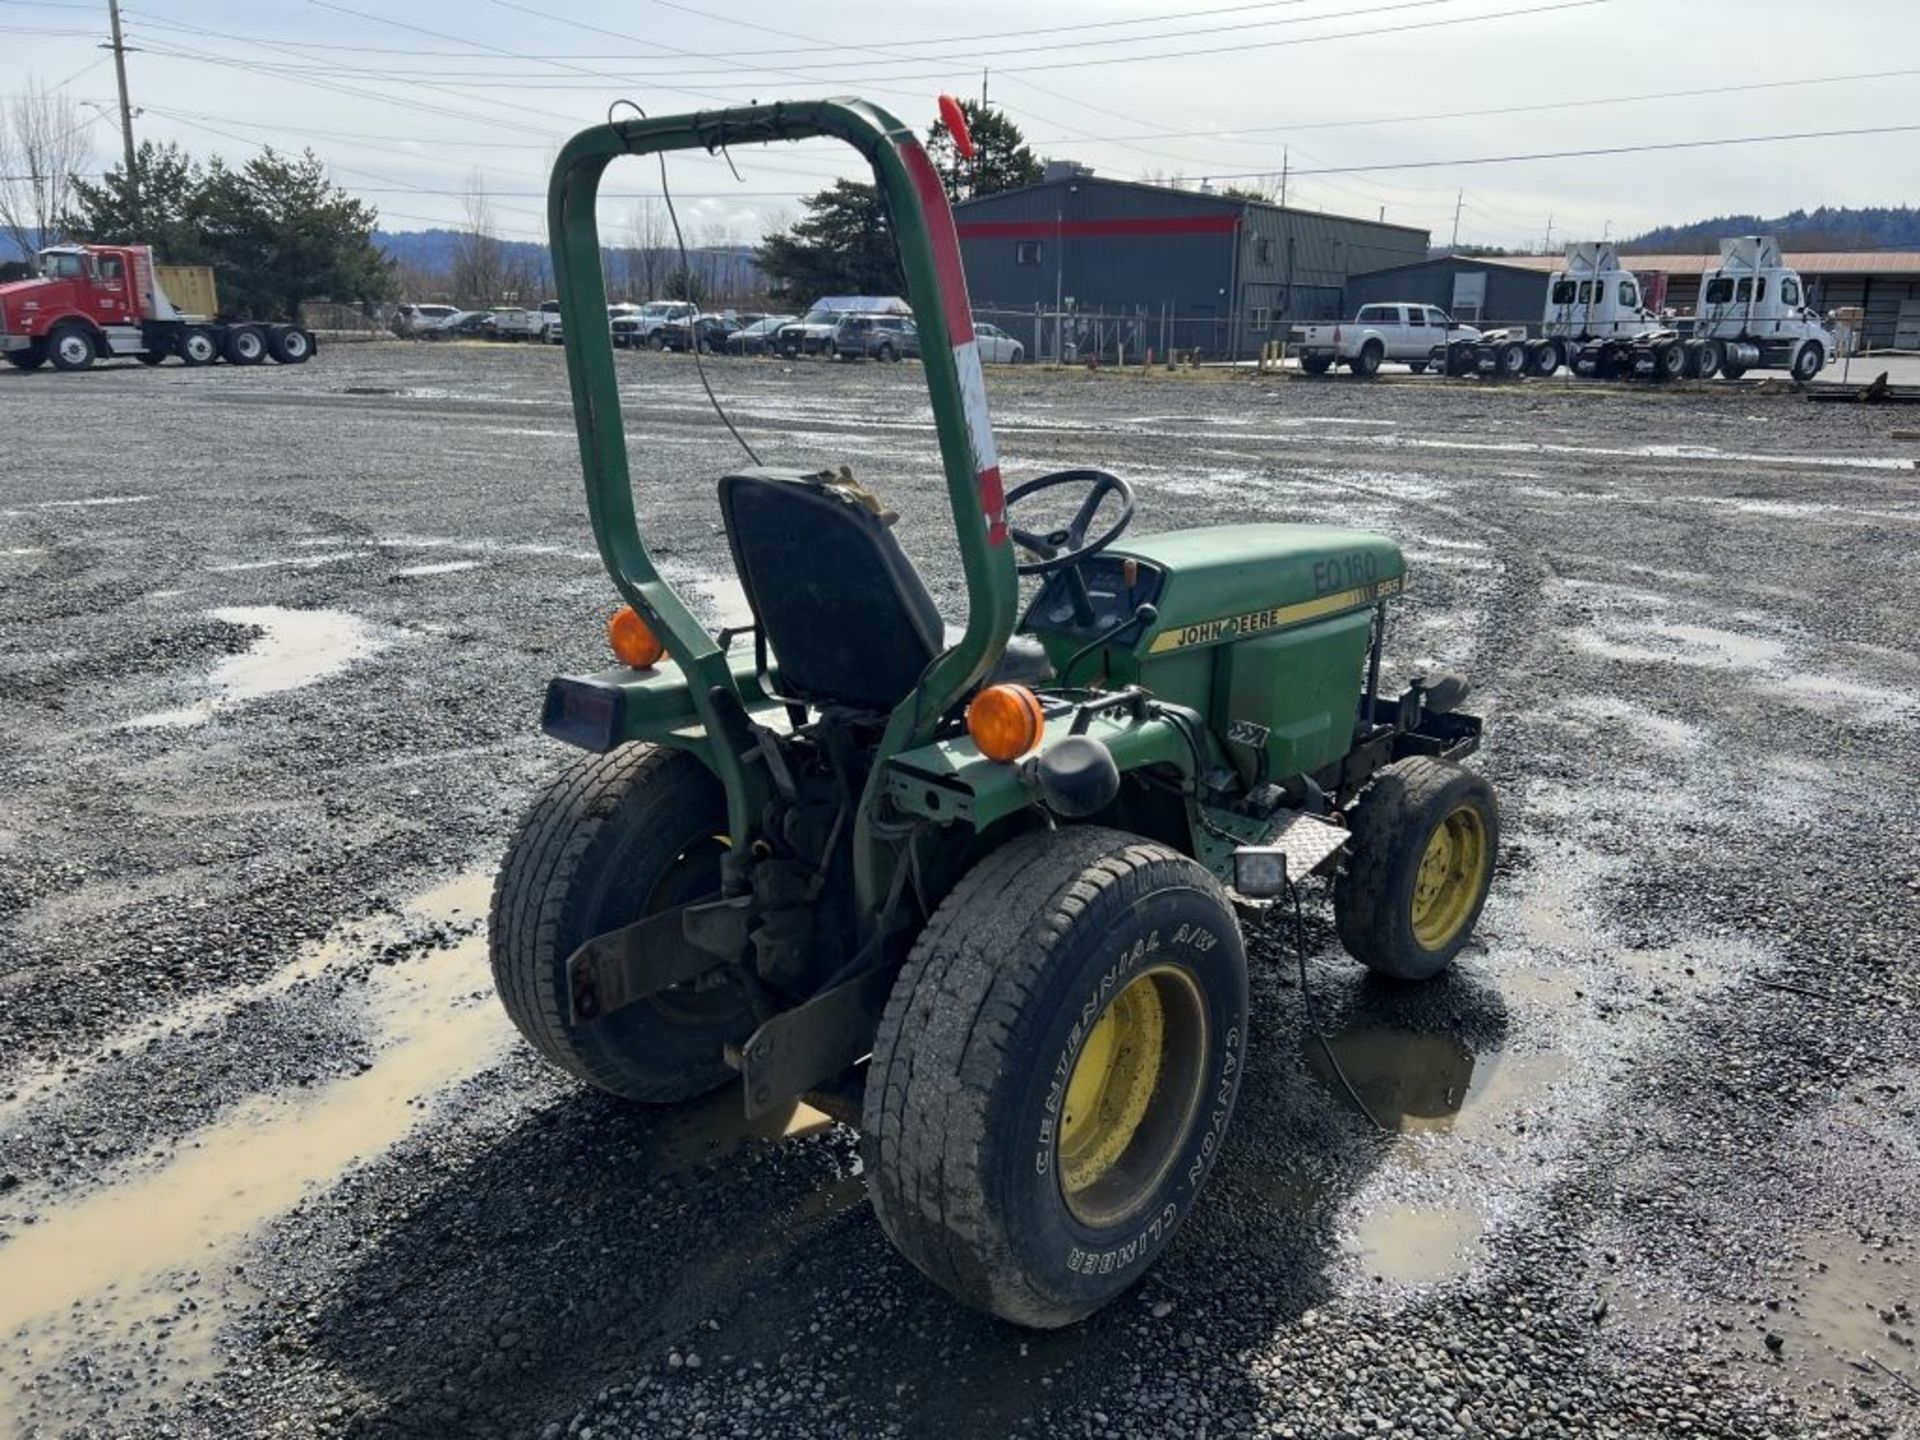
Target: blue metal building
{"type": "Point", "coordinates": [1184, 269]}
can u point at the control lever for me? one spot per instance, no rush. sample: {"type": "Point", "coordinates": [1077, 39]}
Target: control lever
{"type": "Point", "coordinates": [1143, 616]}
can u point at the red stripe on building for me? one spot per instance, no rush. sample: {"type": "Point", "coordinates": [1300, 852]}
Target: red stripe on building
{"type": "Point", "coordinates": [1141, 225]}
{"type": "Point", "coordinates": [946, 245]}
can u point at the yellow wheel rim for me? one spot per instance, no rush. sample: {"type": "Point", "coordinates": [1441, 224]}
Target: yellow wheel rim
{"type": "Point", "coordinates": [1451, 878]}
{"type": "Point", "coordinates": [1131, 1094]}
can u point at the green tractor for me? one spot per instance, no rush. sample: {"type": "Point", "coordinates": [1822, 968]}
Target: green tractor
{"type": "Point", "coordinates": [973, 890]}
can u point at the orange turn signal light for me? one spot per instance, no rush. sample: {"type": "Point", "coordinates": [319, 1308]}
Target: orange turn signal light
{"type": "Point", "coordinates": [632, 639]}
{"type": "Point", "coordinates": [1005, 721]}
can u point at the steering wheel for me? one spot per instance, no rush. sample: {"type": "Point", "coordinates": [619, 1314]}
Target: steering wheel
{"type": "Point", "coordinates": [1062, 549]}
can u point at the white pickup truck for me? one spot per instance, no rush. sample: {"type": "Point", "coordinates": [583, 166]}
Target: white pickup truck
{"type": "Point", "coordinates": [1403, 333]}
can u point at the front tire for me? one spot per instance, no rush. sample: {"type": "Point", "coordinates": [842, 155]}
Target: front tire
{"type": "Point", "coordinates": [1808, 360]}
{"type": "Point", "coordinates": [1055, 1072]}
{"type": "Point", "coordinates": [72, 347]}
{"type": "Point", "coordinates": [1425, 836]}
{"type": "Point", "coordinates": [614, 838]}
{"type": "Point", "coordinates": [32, 357]}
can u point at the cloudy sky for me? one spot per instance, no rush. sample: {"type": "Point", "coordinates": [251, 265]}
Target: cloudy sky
{"type": "Point", "coordinates": [410, 100]}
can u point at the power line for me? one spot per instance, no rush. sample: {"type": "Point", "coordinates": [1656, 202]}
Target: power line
{"type": "Point", "coordinates": [1588, 154]}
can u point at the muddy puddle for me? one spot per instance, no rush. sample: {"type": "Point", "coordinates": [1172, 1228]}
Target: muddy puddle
{"type": "Point", "coordinates": [138, 1278]}
{"type": "Point", "coordinates": [1418, 1244]}
{"type": "Point", "coordinates": [296, 648]}
{"type": "Point", "coordinates": [1417, 1083]}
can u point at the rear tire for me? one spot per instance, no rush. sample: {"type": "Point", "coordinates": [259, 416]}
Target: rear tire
{"type": "Point", "coordinates": [72, 347]}
{"type": "Point", "coordinates": [1316, 364]}
{"type": "Point", "coordinates": [1511, 361]}
{"type": "Point", "coordinates": [245, 345]}
{"type": "Point", "coordinates": [198, 347]}
{"type": "Point", "coordinates": [1055, 1072]}
{"type": "Point", "coordinates": [1409, 896]}
{"type": "Point", "coordinates": [1670, 361]}
{"type": "Point", "coordinates": [615, 837]}
{"type": "Point", "coordinates": [1367, 362]}
{"type": "Point", "coordinates": [1543, 360]}
{"type": "Point", "coordinates": [289, 344]}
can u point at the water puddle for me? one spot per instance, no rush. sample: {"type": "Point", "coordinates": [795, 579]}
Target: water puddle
{"type": "Point", "coordinates": [1419, 1244]}
{"type": "Point", "coordinates": [296, 648]}
{"type": "Point", "coordinates": [1855, 1305]}
{"type": "Point", "coordinates": [442, 567]}
{"type": "Point", "coordinates": [1417, 1082]}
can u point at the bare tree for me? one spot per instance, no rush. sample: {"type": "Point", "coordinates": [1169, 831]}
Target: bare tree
{"type": "Point", "coordinates": [43, 144]}
{"type": "Point", "coordinates": [653, 258]}
{"type": "Point", "coordinates": [477, 260]}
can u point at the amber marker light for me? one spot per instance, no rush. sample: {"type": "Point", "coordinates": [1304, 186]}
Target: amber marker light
{"type": "Point", "coordinates": [1005, 721]}
{"type": "Point", "coordinates": [632, 639]}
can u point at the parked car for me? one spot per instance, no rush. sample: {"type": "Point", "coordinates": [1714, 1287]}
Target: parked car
{"type": "Point", "coordinates": [550, 321]}
{"type": "Point", "coordinates": [813, 333]}
{"type": "Point", "coordinates": [641, 326]}
{"type": "Point", "coordinates": [996, 346]}
{"type": "Point", "coordinates": [418, 319]}
{"type": "Point", "coordinates": [460, 325]}
{"type": "Point", "coordinates": [1405, 333]}
{"type": "Point", "coordinates": [514, 322]}
{"type": "Point", "coordinates": [711, 331]}
{"type": "Point", "coordinates": [875, 337]}
{"type": "Point", "coordinates": [756, 337]}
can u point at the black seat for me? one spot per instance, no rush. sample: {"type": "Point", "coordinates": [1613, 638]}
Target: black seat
{"type": "Point", "coordinates": [843, 610]}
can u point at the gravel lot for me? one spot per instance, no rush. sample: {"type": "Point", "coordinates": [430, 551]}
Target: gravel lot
{"type": "Point", "coordinates": [272, 644]}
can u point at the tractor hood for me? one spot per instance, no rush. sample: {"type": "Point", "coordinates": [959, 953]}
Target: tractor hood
{"type": "Point", "coordinates": [1227, 582]}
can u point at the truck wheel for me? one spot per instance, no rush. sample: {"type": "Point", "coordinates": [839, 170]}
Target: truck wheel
{"type": "Point", "coordinates": [245, 345]}
{"type": "Point", "coordinates": [614, 838]}
{"type": "Point", "coordinates": [1425, 834]}
{"type": "Point", "coordinates": [1055, 1070]}
{"type": "Point", "coordinates": [656, 341]}
{"type": "Point", "coordinates": [885, 354]}
{"type": "Point", "coordinates": [1511, 360]}
{"type": "Point", "coordinates": [150, 357]}
{"type": "Point", "coordinates": [1808, 360]}
{"type": "Point", "coordinates": [1367, 362]}
{"type": "Point", "coordinates": [1670, 361]}
{"type": "Point", "coordinates": [198, 347]}
{"type": "Point", "coordinates": [1732, 369]}
{"type": "Point", "coordinates": [289, 344]}
{"type": "Point", "coordinates": [1316, 364]}
{"type": "Point", "coordinates": [72, 347]}
{"type": "Point", "coordinates": [1418, 367]}
{"type": "Point", "coordinates": [1707, 363]}
{"type": "Point", "coordinates": [30, 358]}
{"type": "Point", "coordinates": [1543, 360]}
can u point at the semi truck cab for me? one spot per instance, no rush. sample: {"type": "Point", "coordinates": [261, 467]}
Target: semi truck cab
{"type": "Point", "coordinates": [90, 301]}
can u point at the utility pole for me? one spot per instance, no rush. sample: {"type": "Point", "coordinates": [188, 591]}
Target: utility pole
{"type": "Point", "coordinates": [983, 87]}
{"type": "Point", "coordinates": [1547, 248]}
{"type": "Point", "coordinates": [1454, 243]}
{"type": "Point", "coordinates": [119, 48]}
{"type": "Point", "coordinates": [1286, 153]}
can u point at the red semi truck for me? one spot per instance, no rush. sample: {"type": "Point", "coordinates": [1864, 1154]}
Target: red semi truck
{"type": "Point", "coordinates": [92, 301]}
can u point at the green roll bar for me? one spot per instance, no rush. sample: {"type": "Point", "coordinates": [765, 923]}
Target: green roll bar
{"type": "Point", "coordinates": [930, 256]}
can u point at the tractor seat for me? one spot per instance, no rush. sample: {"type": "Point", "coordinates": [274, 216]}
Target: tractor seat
{"type": "Point", "coordinates": [843, 610]}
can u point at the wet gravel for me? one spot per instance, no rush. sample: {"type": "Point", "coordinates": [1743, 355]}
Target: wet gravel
{"type": "Point", "coordinates": [271, 1164]}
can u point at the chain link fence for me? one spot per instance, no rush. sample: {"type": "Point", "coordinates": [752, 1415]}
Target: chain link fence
{"type": "Point", "coordinates": [1139, 335]}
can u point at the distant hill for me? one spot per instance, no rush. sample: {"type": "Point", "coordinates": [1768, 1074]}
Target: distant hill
{"type": "Point", "coordinates": [1879, 227]}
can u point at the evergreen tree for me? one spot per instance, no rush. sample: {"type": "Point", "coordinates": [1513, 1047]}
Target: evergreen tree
{"type": "Point", "coordinates": [843, 246]}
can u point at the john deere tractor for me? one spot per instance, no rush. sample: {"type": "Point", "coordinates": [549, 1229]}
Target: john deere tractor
{"type": "Point", "coordinates": [974, 889]}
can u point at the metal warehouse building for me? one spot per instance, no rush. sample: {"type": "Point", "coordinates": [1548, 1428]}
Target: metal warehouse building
{"type": "Point", "coordinates": [1512, 289]}
{"type": "Point", "coordinates": [1148, 266]}
{"type": "Point", "coordinates": [1470, 288]}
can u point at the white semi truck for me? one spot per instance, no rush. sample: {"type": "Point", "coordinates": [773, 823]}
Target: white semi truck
{"type": "Point", "coordinates": [1752, 315]}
